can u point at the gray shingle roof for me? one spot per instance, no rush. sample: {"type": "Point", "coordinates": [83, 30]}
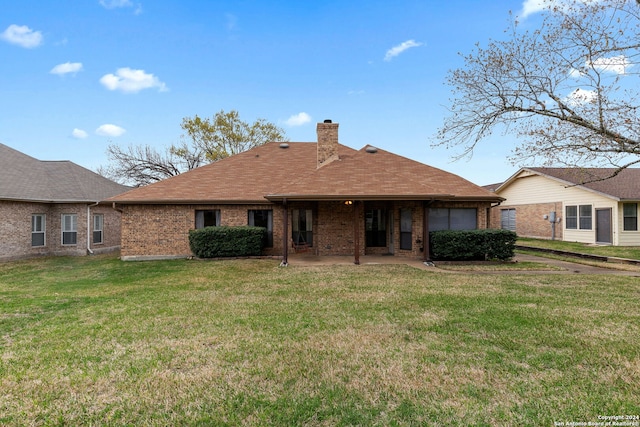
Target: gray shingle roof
{"type": "Point", "coordinates": [24, 178]}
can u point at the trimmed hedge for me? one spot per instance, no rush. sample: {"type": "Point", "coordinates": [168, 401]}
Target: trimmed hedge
{"type": "Point", "coordinates": [220, 242]}
{"type": "Point", "coordinates": [465, 245]}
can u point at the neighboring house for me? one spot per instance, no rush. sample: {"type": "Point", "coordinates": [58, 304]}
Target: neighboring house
{"type": "Point", "coordinates": [324, 198]}
{"type": "Point", "coordinates": [600, 212]}
{"type": "Point", "coordinates": [50, 208]}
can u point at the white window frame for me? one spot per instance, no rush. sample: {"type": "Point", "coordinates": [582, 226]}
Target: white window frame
{"type": "Point", "coordinates": [579, 220]}
{"type": "Point", "coordinates": [98, 228]}
{"type": "Point", "coordinates": [69, 229]}
{"type": "Point", "coordinates": [42, 231]}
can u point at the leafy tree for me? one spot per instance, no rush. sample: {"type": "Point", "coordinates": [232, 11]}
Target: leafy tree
{"type": "Point", "coordinates": [568, 88]}
{"type": "Point", "coordinates": [226, 135]}
{"type": "Point", "coordinates": [205, 141]}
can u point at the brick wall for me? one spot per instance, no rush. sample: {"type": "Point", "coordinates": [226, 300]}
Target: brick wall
{"type": "Point", "coordinates": [335, 230]}
{"type": "Point", "coordinates": [327, 142]}
{"type": "Point", "coordinates": [530, 220]}
{"type": "Point", "coordinates": [163, 230]}
{"type": "Point", "coordinates": [15, 229]}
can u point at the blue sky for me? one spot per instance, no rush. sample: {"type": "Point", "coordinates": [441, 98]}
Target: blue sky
{"type": "Point", "coordinates": [77, 75]}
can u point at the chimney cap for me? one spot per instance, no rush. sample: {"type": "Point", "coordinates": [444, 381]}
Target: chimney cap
{"type": "Point", "coordinates": [328, 121]}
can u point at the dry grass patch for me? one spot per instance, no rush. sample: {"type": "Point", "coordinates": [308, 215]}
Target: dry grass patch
{"type": "Point", "coordinates": [97, 341]}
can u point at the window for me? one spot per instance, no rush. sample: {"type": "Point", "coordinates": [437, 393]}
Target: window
{"type": "Point", "coordinates": [585, 217]}
{"type": "Point", "coordinates": [207, 218]}
{"type": "Point", "coordinates": [38, 228]}
{"type": "Point", "coordinates": [571, 218]}
{"type": "Point", "coordinates": [453, 219]}
{"type": "Point", "coordinates": [375, 228]}
{"type": "Point", "coordinates": [578, 217]}
{"type": "Point", "coordinates": [69, 229]}
{"type": "Point", "coordinates": [406, 221]}
{"type": "Point", "coordinates": [98, 224]}
{"type": "Point", "coordinates": [508, 219]}
{"type": "Point", "coordinates": [630, 216]}
{"type": "Point", "coordinates": [302, 226]}
{"type": "Point", "coordinates": [263, 218]}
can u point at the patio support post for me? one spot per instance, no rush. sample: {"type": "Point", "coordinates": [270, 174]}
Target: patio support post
{"type": "Point", "coordinates": [425, 232]}
{"type": "Point", "coordinates": [285, 233]}
{"type": "Point", "coordinates": [356, 233]}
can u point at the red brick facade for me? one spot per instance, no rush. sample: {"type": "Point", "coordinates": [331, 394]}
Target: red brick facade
{"type": "Point", "coordinates": [156, 231]}
{"type": "Point", "coordinates": [530, 219]}
{"type": "Point", "coordinates": [15, 229]}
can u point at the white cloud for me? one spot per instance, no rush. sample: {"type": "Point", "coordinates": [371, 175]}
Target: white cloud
{"type": "Point", "coordinates": [110, 130]}
{"type": "Point", "coordinates": [79, 133]}
{"type": "Point", "coordinates": [114, 4]}
{"type": "Point", "coordinates": [66, 68]}
{"type": "Point", "coordinates": [615, 64]}
{"type": "Point", "coordinates": [131, 81]}
{"type": "Point", "coordinates": [397, 50]}
{"type": "Point", "coordinates": [581, 96]}
{"type": "Point", "coordinates": [22, 35]}
{"type": "Point", "coordinates": [298, 119]}
{"type": "Point", "coordinates": [529, 7]}
{"type": "Point", "coordinates": [574, 73]}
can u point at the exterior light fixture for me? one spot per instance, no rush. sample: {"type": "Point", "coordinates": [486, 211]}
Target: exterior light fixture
{"type": "Point", "coordinates": [348, 202]}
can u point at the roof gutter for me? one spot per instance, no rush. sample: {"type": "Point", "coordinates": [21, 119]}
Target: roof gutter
{"type": "Point", "coordinates": [186, 202]}
{"type": "Point", "coordinates": [432, 197]}
{"type": "Point", "coordinates": [89, 226]}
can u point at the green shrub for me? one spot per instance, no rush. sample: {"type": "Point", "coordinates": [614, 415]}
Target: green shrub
{"type": "Point", "coordinates": [219, 242]}
{"type": "Point", "coordinates": [463, 245]}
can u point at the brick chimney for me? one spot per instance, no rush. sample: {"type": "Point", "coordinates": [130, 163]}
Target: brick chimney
{"type": "Point", "coordinates": [327, 142]}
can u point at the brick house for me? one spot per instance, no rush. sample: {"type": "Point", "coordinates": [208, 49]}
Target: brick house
{"type": "Point", "coordinates": [321, 197]}
{"type": "Point", "coordinates": [600, 212]}
{"type": "Point", "coordinates": [51, 208]}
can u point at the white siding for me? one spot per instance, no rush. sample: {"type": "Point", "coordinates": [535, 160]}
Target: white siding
{"type": "Point", "coordinates": [626, 238]}
{"type": "Point", "coordinates": [529, 189]}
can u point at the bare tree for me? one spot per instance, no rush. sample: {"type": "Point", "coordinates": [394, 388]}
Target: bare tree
{"type": "Point", "coordinates": [568, 89]}
{"type": "Point", "coordinates": [205, 141]}
{"type": "Point", "coordinates": [142, 165]}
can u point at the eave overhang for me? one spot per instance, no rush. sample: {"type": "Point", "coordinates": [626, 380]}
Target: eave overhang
{"type": "Point", "coordinates": [278, 198]}
{"type": "Point", "coordinates": [372, 197]}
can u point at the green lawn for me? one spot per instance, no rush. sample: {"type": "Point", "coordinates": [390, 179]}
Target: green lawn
{"type": "Point", "coordinates": [96, 341]}
{"type": "Point", "coordinates": [631, 252]}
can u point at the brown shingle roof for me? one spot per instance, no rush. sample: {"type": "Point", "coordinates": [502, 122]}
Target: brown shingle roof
{"type": "Point", "coordinates": [27, 179]}
{"type": "Point", "coordinates": [624, 186]}
{"type": "Point", "coordinates": [273, 173]}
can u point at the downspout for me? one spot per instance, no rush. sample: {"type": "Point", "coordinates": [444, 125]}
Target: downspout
{"type": "Point", "coordinates": [425, 234]}
{"type": "Point", "coordinates": [89, 227]}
